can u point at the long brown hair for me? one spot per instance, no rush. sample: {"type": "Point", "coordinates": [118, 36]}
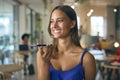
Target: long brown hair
{"type": "Point", "coordinates": [74, 31]}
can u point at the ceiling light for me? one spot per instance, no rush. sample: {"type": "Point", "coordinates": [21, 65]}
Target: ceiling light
{"type": "Point", "coordinates": [115, 10]}
{"type": "Point", "coordinates": [89, 14]}
{"type": "Point", "coordinates": [116, 44]}
{"type": "Point", "coordinates": [91, 10]}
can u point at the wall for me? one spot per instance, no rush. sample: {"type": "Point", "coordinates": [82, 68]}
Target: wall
{"type": "Point", "coordinates": [110, 21]}
{"type": "Point", "coordinates": [85, 20]}
{"type": "Point", "coordinates": [45, 21]}
{"type": "Point", "coordinates": [22, 21]}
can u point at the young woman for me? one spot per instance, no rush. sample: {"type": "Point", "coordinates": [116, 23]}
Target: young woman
{"type": "Point", "coordinates": [64, 59]}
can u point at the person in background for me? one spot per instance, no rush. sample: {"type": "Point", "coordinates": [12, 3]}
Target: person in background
{"type": "Point", "coordinates": [64, 59]}
{"type": "Point", "coordinates": [118, 53]}
{"type": "Point", "coordinates": [111, 39]}
{"type": "Point", "coordinates": [118, 50]}
{"type": "Point", "coordinates": [25, 41]}
{"type": "Point", "coordinates": [111, 48]}
{"type": "Point", "coordinates": [104, 44]}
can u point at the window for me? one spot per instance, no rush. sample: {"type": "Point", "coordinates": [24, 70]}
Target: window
{"type": "Point", "coordinates": [97, 26]}
{"type": "Point", "coordinates": [6, 26]}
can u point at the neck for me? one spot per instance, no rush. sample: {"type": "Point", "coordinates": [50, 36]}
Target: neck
{"type": "Point", "coordinates": [65, 45]}
{"type": "Point", "coordinates": [25, 42]}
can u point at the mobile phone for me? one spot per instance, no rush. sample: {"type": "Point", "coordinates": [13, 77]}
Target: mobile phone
{"type": "Point", "coordinates": [35, 45]}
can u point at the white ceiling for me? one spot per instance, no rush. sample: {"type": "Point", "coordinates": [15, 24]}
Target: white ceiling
{"type": "Point", "coordinates": [105, 2]}
{"type": "Point", "coordinates": [38, 5]}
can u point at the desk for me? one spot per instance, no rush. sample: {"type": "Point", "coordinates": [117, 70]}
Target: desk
{"type": "Point", "coordinates": [107, 58]}
{"type": "Point", "coordinates": [10, 68]}
{"type": "Point", "coordinates": [111, 66]}
{"type": "Point", "coordinates": [19, 56]}
{"type": "Point", "coordinates": [23, 52]}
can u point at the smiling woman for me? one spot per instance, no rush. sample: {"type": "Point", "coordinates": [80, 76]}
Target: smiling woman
{"type": "Point", "coordinates": [64, 59]}
{"type": "Point", "coordinates": [60, 24]}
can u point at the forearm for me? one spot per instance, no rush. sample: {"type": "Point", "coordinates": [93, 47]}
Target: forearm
{"type": "Point", "coordinates": [43, 59]}
{"type": "Point", "coordinates": [43, 70]}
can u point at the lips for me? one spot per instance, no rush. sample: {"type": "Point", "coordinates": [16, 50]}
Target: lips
{"type": "Point", "coordinates": [57, 31]}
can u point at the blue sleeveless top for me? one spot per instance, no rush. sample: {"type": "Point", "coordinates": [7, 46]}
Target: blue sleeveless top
{"type": "Point", "coordinates": [76, 73]}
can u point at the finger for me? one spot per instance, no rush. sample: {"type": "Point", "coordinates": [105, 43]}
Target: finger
{"type": "Point", "coordinates": [45, 50]}
{"type": "Point", "coordinates": [48, 56]}
{"type": "Point", "coordinates": [40, 50]}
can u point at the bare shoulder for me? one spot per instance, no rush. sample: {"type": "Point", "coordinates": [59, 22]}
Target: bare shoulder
{"type": "Point", "coordinates": [89, 61]}
{"type": "Point", "coordinates": [88, 58]}
{"type": "Point", "coordinates": [89, 55]}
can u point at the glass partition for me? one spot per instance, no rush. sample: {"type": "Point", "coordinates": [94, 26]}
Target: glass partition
{"type": "Point", "coordinates": [6, 26]}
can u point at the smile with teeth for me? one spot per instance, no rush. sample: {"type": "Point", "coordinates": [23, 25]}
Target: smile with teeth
{"type": "Point", "coordinates": [57, 31]}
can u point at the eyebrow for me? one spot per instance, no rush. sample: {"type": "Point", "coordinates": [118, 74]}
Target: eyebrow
{"type": "Point", "coordinates": [58, 18]}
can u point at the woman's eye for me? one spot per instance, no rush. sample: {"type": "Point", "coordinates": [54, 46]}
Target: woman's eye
{"type": "Point", "coordinates": [51, 21]}
{"type": "Point", "coordinates": [60, 20]}
{"type": "Point", "coordinates": [57, 21]}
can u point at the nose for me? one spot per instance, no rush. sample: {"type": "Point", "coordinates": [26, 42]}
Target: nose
{"type": "Point", "coordinates": [54, 24]}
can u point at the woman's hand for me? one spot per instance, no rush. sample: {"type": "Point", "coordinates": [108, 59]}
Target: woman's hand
{"type": "Point", "coordinates": [44, 53]}
{"type": "Point", "coordinates": [43, 62]}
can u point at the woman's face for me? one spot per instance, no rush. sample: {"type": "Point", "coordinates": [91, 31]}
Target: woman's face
{"type": "Point", "coordinates": [60, 24]}
{"type": "Point", "coordinates": [26, 39]}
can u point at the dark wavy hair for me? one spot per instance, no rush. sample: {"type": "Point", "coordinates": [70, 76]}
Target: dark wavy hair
{"type": "Point", "coordinates": [73, 32]}
{"type": "Point", "coordinates": [25, 35]}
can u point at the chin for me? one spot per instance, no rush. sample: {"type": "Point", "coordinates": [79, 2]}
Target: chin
{"type": "Point", "coordinates": [56, 37]}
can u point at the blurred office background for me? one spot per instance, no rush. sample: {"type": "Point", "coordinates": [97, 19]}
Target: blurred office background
{"type": "Point", "coordinates": [96, 18]}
